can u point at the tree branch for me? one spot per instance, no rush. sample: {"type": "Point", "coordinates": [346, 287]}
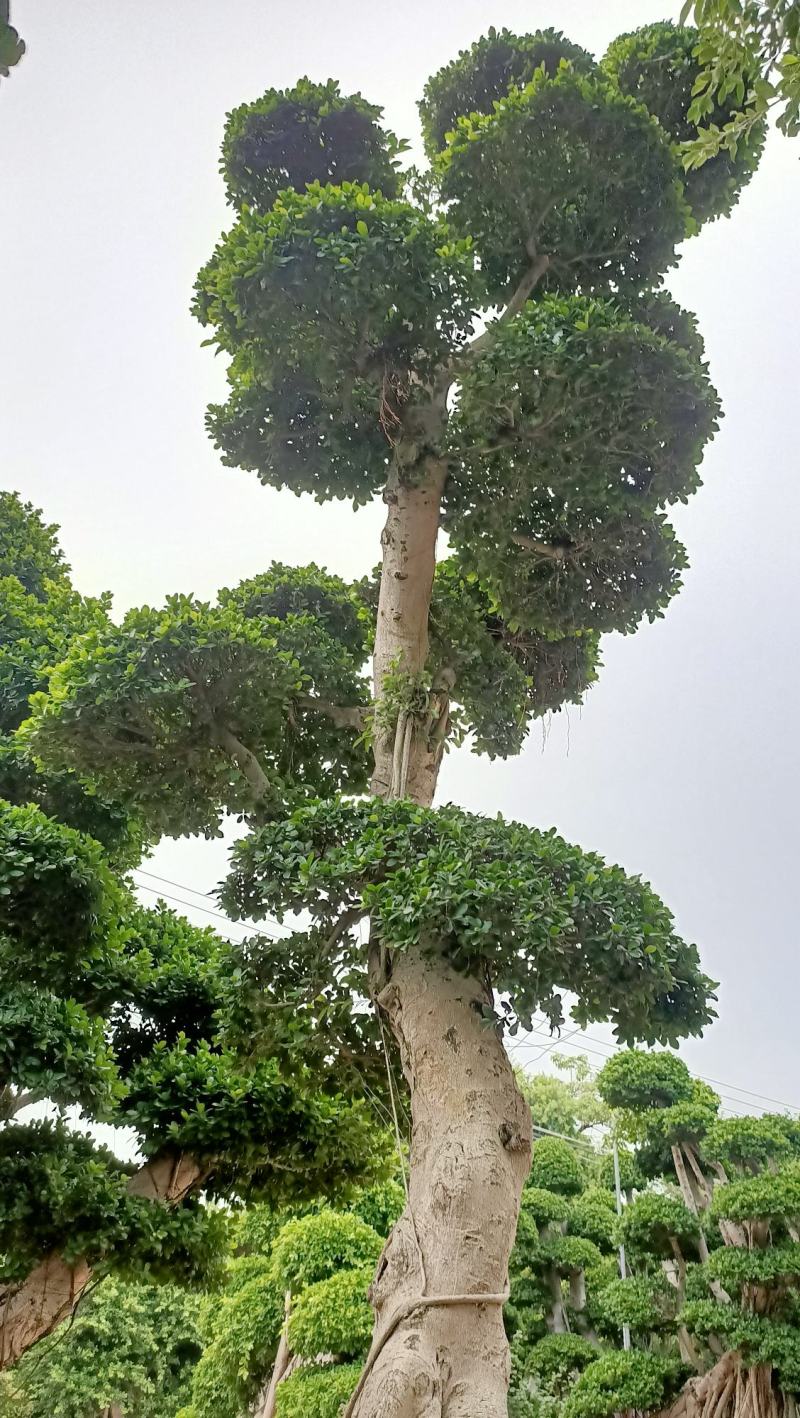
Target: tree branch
{"type": "Point", "coordinates": [245, 760]}
{"type": "Point", "coordinates": [525, 289]}
{"type": "Point", "coordinates": [344, 716]}
{"type": "Point", "coordinates": [543, 548]}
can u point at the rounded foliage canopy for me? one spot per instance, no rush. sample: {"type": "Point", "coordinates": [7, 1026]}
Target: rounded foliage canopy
{"type": "Point", "coordinates": [311, 133]}
{"type": "Point", "coordinates": [657, 66]}
{"type": "Point", "coordinates": [538, 914]}
{"type": "Point", "coordinates": [486, 72]}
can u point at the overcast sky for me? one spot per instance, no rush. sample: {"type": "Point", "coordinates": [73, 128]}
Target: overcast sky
{"type": "Point", "coordinates": [683, 764]}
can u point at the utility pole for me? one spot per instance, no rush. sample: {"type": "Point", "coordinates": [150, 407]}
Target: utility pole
{"type": "Point", "coordinates": [623, 1265]}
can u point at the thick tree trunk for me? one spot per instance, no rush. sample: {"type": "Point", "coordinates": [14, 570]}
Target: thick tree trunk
{"type": "Point", "coordinates": [470, 1156]}
{"type": "Point", "coordinates": [438, 1350]}
{"type": "Point", "coordinates": [49, 1294]}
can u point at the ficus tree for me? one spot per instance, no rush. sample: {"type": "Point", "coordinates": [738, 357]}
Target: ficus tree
{"type": "Point", "coordinates": [285, 1334]}
{"type": "Point", "coordinates": [486, 346]}
{"type": "Point", "coordinates": [731, 1243]}
{"type": "Point", "coordinates": [112, 1013]}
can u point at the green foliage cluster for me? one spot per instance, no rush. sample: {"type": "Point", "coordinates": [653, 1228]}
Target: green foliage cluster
{"type": "Point", "coordinates": [749, 61]}
{"type": "Point", "coordinates": [311, 133]}
{"type": "Point", "coordinates": [555, 1167]}
{"type": "Point", "coordinates": [572, 433]}
{"type": "Point", "coordinates": [132, 1346]}
{"type": "Point", "coordinates": [618, 1382]}
{"type": "Point", "coordinates": [169, 710]}
{"type": "Point", "coordinates": [659, 66]}
{"type": "Point", "coordinates": [337, 305]}
{"type": "Point", "coordinates": [602, 194]}
{"type": "Point", "coordinates": [317, 1392]}
{"type": "Point", "coordinates": [324, 1260]}
{"type": "Point", "coordinates": [60, 1191]}
{"type": "Point", "coordinates": [498, 896]}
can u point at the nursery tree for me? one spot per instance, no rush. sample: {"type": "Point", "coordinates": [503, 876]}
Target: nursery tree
{"type": "Point", "coordinates": [126, 1014]}
{"type": "Point", "coordinates": [734, 1239]}
{"type": "Point", "coordinates": [486, 347]}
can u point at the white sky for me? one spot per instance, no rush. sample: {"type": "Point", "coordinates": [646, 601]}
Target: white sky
{"type": "Point", "coordinates": [683, 764]}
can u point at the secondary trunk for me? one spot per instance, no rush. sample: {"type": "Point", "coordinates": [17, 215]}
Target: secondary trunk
{"type": "Point", "coordinates": [437, 1349]}
{"type": "Point", "coordinates": [50, 1293]}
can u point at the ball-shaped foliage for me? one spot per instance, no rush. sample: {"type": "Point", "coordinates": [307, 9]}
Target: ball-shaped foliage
{"type": "Point", "coordinates": [747, 1144]}
{"type": "Point", "coordinates": [316, 1247]}
{"type": "Point", "coordinates": [501, 898]}
{"type": "Point", "coordinates": [569, 167]}
{"type": "Point", "coordinates": [621, 1382]}
{"type": "Point", "coordinates": [687, 1121]}
{"type": "Point", "coordinates": [652, 1222]}
{"type": "Point", "coordinates": [316, 1392]}
{"type": "Point", "coordinates": [486, 72]}
{"type": "Point", "coordinates": [558, 1358]}
{"type": "Point", "coordinates": [773, 1197]}
{"type": "Point", "coordinates": [658, 67]}
{"type": "Point", "coordinates": [555, 1166]}
{"type": "Point", "coordinates": [593, 1216]}
{"type": "Point", "coordinates": [333, 1316]}
{"type": "Point", "coordinates": [569, 1254]}
{"type": "Point", "coordinates": [572, 430]}
{"type": "Point", "coordinates": [775, 1265]}
{"type": "Point", "coordinates": [636, 1301]}
{"type": "Point", "coordinates": [637, 1081]}
{"type": "Point", "coordinates": [337, 305]}
{"type": "Point", "coordinates": [311, 133]}
{"type": "Point", "coordinates": [541, 1205]}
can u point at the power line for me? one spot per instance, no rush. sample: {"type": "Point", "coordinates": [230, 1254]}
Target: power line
{"type": "Point", "coordinates": [566, 1042]}
{"type": "Point", "coordinates": [193, 906]}
{"type": "Point", "coordinates": [613, 1049]}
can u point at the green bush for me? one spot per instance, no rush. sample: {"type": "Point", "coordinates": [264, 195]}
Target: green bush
{"type": "Point", "coordinates": [317, 1392]}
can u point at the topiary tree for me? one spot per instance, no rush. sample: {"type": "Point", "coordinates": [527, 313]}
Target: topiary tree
{"type": "Point", "coordinates": [549, 439]}
{"type": "Point", "coordinates": [293, 1312]}
{"type": "Point", "coordinates": [122, 1015]}
{"type": "Point", "coordinates": [735, 1314]}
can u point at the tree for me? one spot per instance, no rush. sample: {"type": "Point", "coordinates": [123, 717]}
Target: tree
{"type": "Point", "coordinates": [293, 1314]}
{"type": "Point", "coordinates": [730, 1245]}
{"type": "Point", "coordinates": [748, 57]}
{"type": "Point", "coordinates": [348, 303]}
{"type": "Point", "coordinates": [125, 1015]}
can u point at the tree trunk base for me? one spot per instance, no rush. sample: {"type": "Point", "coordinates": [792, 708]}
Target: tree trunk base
{"type": "Point", "coordinates": [448, 1358]}
{"type": "Point", "coordinates": [729, 1390]}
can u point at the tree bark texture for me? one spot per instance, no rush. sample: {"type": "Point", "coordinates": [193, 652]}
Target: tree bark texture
{"type": "Point", "coordinates": [407, 756]}
{"type": "Point", "coordinates": [266, 1408]}
{"type": "Point", "coordinates": [49, 1294]}
{"type": "Point", "coordinates": [470, 1155]}
{"type": "Point", "coordinates": [731, 1391]}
